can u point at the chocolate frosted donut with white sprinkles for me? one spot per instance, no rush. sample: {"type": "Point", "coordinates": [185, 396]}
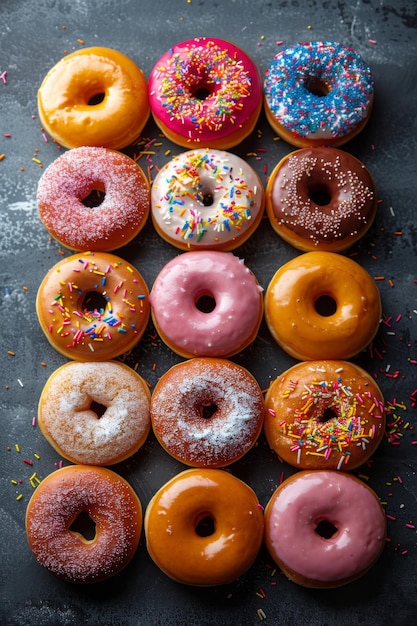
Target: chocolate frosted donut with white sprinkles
{"type": "Point", "coordinates": [321, 199]}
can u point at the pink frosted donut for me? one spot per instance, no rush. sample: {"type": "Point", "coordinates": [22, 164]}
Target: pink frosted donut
{"type": "Point", "coordinates": [93, 199]}
{"type": "Point", "coordinates": [324, 528]}
{"type": "Point", "coordinates": [206, 303]}
{"type": "Point", "coordinates": [205, 92]}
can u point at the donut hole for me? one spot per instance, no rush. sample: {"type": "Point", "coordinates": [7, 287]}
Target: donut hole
{"type": "Point", "coordinates": [316, 86]}
{"type": "Point", "coordinates": [84, 525]}
{"type": "Point", "coordinates": [325, 529]}
{"type": "Point", "coordinates": [319, 194]}
{"type": "Point", "coordinates": [208, 410]}
{"type": "Point", "coordinates": [97, 408]}
{"type": "Point", "coordinates": [205, 198]}
{"type": "Point", "coordinates": [201, 92]}
{"type": "Point", "coordinates": [94, 198]}
{"type": "Point", "coordinates": [94, 301]}
{"type": "Point", "coordinates": [325, 305]}
{"type": "Point", "coordinates": [205, 525]}
{"type": "Point", "coordinates": [205, 303]}
{"type": "Point", "coordinates": [328, 414]}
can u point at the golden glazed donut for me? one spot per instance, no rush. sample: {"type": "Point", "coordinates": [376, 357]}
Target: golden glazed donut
{"type": "Point", "coordinates": [93, 199]}
{"type": "Point", "coordinates": [324, 415]}
{"type": "Point", "coordinates": [207, 412]}
{"type": "Point", "coordinates": [94, 97]}
{"type": "Point", "coordinates": [204, 527]}
{"type": "Point", "coordinates": [322, 305]}
{"type": "Point", "coordinates": [84, 523]}
{"type": "Point", "coordinates": [93, 306]}
{"type": "Point", "coordinates": [95, 413]}
{"type": "Point", "coordinates": [324, 528]}
{"type": "Point", "coordinates": [321, 199]}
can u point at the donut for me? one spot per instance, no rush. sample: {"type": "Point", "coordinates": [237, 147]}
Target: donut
{"type": "Point", "coordinates": [207, 199]}
{"type": "Point", "coordinates": [204, 527]}
{"type": "Point", "coordinates": [206, 303]}
{"type": "Point", "coordinates": [322, 305]}
{"type": "Point", "coordinates": [321, 199]}
{"type": "Point", "coordinates": [94, 97]}
{"type": "Point", "coordinates": [317, 93]}
{"type": "Point", "coordinates": [207, 412]}
{"type": "Point", "coordinates": [95, 413]}
{"type": "Point", "coordinates": [324, 528]}
{"type": "Point", "coordinates": [93, 306]}
{"type": "Point", "coordinates": [324, 415]}
{"type": "Point", "coordinates": [83, 523]}
{"type": "Point", "coordinates": [93, 198]}
{"type": "Point", "coordinates": [205, 92]}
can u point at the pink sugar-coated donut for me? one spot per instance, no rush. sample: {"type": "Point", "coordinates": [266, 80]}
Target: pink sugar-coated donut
{"type": "Point", "coordinates": [205, 92]}
{"type": "Point", "coordinates": [206, 303]}
{"type": "Point", "coordinates": [120, 199]}
{"type": "Point", "coordinates": [324, 528]}
{"type": "Point", "coordinates": [63, 510]}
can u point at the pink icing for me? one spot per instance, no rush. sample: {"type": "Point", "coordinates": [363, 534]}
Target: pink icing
{"type": "Point", "coordinates": [222, 276]}
{"type": "Point", "coordinates": [227, 76]}
{"type": "Point", "coordinates": [313, 497]}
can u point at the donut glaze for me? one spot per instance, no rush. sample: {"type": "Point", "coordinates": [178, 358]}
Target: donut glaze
{"type": "Point", "coordinates": [324, 415]}
{"type": "Point", "coordinates": [231, 288]}
{"type": "Point", "coordinates": [318, 93]}
{"type": "Point", "coordinates": [123, 199]}
{"type": "Point", "coordinates": [295, 528]}
{"type": "Point", "coordinates": [94, 97]}
{"type": "Point", "coordinates": [205, 92]}
{"type": "Point", "coordinates": [207, 412]}
{"type": "Point", "coordinates": [93, 306]}
{"type": "Point", "coordinates": [321, 199]}
{"type": "Point", "coordinates": [112, 506]}
{"type": "Point", "coordinates": [322, 305]}
{"type": "Point", "coordinates": [206, 199]}
{"type": "Point", "coordinates": [195, 536]}
{"type": "Point", "coordinates": [69, 414]}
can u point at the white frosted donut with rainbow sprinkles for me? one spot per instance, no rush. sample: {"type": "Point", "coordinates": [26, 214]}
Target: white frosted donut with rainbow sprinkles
{"type": "Point", "coordinates": [205, 92]}
{"type": "Point", "coordinates": [318, 93]}
{"type": "Point", "coordinates": [204, 199]}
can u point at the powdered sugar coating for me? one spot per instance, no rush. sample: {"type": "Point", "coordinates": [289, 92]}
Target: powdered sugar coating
{"type": "Point", "coordinates": [72, 177]}
{"type": "Point", "coordinates": [109, 501]}
{"type": "Point", "coordinates": [67, 418]}
{"type": "Point", "coordinates": [234, 403]}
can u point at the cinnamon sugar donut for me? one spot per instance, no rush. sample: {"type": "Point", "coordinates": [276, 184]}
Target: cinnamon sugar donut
{"type": "Point", "coordinates": [207, 412]}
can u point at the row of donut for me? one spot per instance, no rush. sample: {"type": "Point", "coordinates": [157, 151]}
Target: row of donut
{"type": "Point", "coordinates": [207, 92]}
{"type": "Point", "coordinates": [98, 199]}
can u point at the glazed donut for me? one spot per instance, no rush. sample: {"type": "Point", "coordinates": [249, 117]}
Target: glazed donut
{"type": "Point", "coordinates": [324, 415]}
{"type": "Point", "coordinates": [94, 97]}
{"type": "Point", "coordinates": [93, 199]}
{"type": "Point", "coordinates": [322, 305]}
{"type": "Point", "coordinates": [95, 413]}
{"type": "Point", "coordinates": [205, 92]}
{"type": "Point", "coordinates": [195, 536]}
{"type": "Point", "coordinates": [318, 93]}
{"type": "Point", "coordinates": [324, 528]}
{"type": "Point", "coordinates": [207, 412]}
{"type": "Point", "coordinates": [83, 523]}
{"type": "Point", "coordinates": [206, 199]}
{"type": "Point", "coordinates": [93, 306]}
{"type": "Point", "coordinates": [206, 303]}
{"type": "Point", "coordinates": [321, 199]}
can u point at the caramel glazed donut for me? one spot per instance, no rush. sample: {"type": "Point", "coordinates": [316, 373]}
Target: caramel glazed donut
{"type": "Point", "coordinates": [321, 199]}
{"type": "Point", "coordinates": [95, 413]}
{"type": "Point", "coordinates": [94, 97]}
{"type": "Point", "coordinates": [204, 527]}
{"type": "Point", "coordinates": [84, 523]}
{"type": "Point", "coordinates": [207, 412]}
{"type": "Point", "coordinates": [322, 305]}
{"type": "Point", "coordinates": [324, 528]}
{"type": "Point", "coordinates": [324, 415]}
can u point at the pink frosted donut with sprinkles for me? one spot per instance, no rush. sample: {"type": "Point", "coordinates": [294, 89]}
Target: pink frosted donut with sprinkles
{"type": "Point", "coordinates": [324, 415]}
{"type": "Point", "coordinates": [205, 92]}
{"type": "Point", "coordinates": [206, 303]}
{"type": "Point", "coordinates": [93, 198]}
{"type": "Point", "coordinates": [318, 93]}
{"type": "Point", "coordinates": [205, 199]}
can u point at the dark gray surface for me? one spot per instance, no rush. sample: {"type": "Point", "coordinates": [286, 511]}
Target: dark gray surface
{"type": "Point", "coordinates": [34, 36]}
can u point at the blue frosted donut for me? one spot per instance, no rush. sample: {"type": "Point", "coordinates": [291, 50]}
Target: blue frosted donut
{"type": "Point", "coordinates": [318, 93]}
